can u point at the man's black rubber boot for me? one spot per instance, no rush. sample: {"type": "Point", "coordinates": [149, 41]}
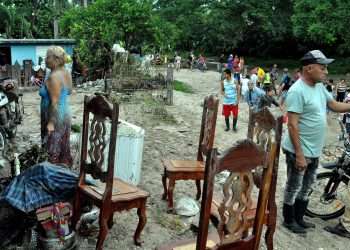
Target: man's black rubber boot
{"type": "Point", "coordinates": [234, 124]}
{"type": "Point", "coordinates": [300, 209]}
{"type": "Point", "coordinates": [227, 122]}
{"type": "Point", "coordinates": [289, 221]}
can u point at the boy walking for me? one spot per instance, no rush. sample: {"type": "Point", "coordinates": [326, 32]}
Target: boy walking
{"type": "Point", "coordinates": [230, 90]}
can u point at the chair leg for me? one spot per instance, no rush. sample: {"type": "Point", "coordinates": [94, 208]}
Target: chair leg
{"type": "Point", "coordinates": [164, 197]}
{"type": "Point", "coordinates": [269, 236]}
{"type": "Point", "coordinates": [141, 212]}
{"type": "Point", "coordinates": [76, 210]}
{"type": "Point", "coordinates": [170, 194]}
{"type": "Point", "coordinates": [199, 192]}
{"type": "Point", "coordinates": [271, 217]}
{"type": "Point", "coordinates": [271, 225]}
{"type": "Point", "coordinates": [110, 221]}
{"type": "Point", "coordinates": [104, 217]}
{"type": "Point", "coordinates": [271, 228]}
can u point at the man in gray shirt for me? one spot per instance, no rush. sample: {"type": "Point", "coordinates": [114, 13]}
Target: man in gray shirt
{"type": "Point", "coordinates": [306, 104]}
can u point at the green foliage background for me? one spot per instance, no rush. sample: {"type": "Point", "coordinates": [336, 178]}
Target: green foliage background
{"type": "Point", "coordinates": [269, 28]}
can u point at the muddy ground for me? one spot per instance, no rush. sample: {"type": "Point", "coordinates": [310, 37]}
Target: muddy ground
{"type": "Point", "coordinates": [175, 135]}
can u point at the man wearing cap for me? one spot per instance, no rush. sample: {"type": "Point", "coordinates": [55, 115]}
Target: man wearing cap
{"type": "Point", "coordinates": [306, 104]}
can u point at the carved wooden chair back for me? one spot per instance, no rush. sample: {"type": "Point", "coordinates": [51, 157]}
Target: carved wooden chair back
{"type": "Point", "coordinates": [240, 160]}
{"type": "Point", "coordinates": [265, 127]}
{"type": "Point", "coordinates": [208, 125]}
{"type": "Point", "coordinates": [94, 141]}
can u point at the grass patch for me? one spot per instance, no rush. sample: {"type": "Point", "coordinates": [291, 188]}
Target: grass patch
{"type": "Point", "coordinates": [182, 87]}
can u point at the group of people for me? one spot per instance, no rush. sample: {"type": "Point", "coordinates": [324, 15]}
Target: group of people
{"type": "Point", "coordinates": [339, 90]}
{"type": "Point", "coordinates": [200, 62]}
{"type": "Point", "coordinates": [257, 90]}
{"type": "Point", "coordinates": [305, 100]}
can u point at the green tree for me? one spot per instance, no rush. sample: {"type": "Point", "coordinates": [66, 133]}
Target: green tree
{"type": "Point", "coordinates": [257, 27]}
{"type": "Point", "coordinates": [323, 23]}
{"type": "Point", "coordinates": [107, 21]}
{"type": "Point", "coordinates": [188, 20]}
{"type": "Point", "coordinates": [33, 19]}
{"type": "Point", "coordinates": [5, 19]}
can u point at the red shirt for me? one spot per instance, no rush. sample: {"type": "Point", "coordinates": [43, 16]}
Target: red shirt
{"type": "Point", "coordinates": [236, 67]}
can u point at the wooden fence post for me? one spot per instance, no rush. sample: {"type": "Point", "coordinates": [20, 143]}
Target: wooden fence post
{"type": "Point", "coordinates": [16, 73]}
{"type": "Point", "coordinates": [169, 84]}
{"type": "Point", "coordinates": [27, 65]}
{"type": "Point", "coordinates": [8, 70]}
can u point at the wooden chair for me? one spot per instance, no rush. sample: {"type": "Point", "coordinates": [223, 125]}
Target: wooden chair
{"type": "Point", "coordinates": [192, 169]}
{"type": "Point", "coordinates": [233, 228]}
{"type": "Point", "coordinates": [111, 194]}
{"type": "Point", "coordinates": [264, 127]}
{"type": "Point", "coordinates": [270, 124]}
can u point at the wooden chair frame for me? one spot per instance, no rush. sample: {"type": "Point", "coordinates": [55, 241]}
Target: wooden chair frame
{"type": "Point", "coordinates": [240, 160]}
{"type": "Point", "coordinates": [262, 125]}
{"type": "Point", "coordinates": [267, 122]}
{"type": "Point", "coordinates": [117, 195]}
{"type": "Point", "coordinates": [192, 170]}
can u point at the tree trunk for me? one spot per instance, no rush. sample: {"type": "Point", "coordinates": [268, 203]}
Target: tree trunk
{"type": "Point", "coordinates": [84, 3]}
{"type": "Point", "coordinates": [55, 28]}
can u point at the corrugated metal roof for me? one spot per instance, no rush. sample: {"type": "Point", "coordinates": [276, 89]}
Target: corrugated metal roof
{"type": "Point", "coordinates": [36, 41]}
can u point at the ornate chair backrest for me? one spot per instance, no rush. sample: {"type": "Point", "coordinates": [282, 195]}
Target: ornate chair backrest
{"type": "Point", "coordinates": [265, 127]}
{"type": "Point", "coordinates": [94, 141]}
{"type": "Point", "coordinates": [208, 126]}
{"type": "Point", "coordinates": [240, 160]}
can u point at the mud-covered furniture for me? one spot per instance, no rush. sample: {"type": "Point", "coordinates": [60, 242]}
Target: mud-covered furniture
{"type": "Point", "coordinates": [264, 127]}
{"type": "Point", "coordinates": [108, 193]}
{"type": "Point", "coordinates": [232, 231]}
{"type": "Point", "coordinates": [192, 169]}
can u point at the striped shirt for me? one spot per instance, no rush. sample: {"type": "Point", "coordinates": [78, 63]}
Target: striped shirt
{"type": "Point", "coordinates": [341, 88]}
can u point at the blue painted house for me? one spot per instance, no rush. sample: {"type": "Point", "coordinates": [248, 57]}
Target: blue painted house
{"type": "Point", "coordinates": [12, 50]}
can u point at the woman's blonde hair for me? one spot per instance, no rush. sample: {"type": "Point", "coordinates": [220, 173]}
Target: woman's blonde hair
{"type": "Point", "coordinates": [59, 56]}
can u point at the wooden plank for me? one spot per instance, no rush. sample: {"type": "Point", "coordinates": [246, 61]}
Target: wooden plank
{"type": "Point", "coordinates": [27, 65]}
{"type": "Point", "coordinates": [16, 73]}
{"type": "Point", "coordinates": [8, 70]}
{"type": "Point", "coordinates": [169, 85]}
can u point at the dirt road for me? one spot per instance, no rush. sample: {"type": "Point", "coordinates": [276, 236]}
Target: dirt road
{"type": "Point", "coordinates": [177, 140]}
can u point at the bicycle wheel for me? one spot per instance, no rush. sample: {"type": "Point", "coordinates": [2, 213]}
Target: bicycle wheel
{"type": "Point", "coordinates": [329, 208]}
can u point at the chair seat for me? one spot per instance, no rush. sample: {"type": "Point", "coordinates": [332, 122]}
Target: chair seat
{"type": "Point", "coordinates": [122, 191]}
{"type": "Point", "coordinates": [183, 166]}
{"type": "Point", "coordinates": [213, 239]}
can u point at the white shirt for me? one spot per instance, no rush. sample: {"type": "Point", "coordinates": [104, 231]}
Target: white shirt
{"type": "Point", "coordinates": [244, 82]}
{"type": "Point", "coordinates": [178, 59]}
{"type": "Point", "coordinates": [254, 79]}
